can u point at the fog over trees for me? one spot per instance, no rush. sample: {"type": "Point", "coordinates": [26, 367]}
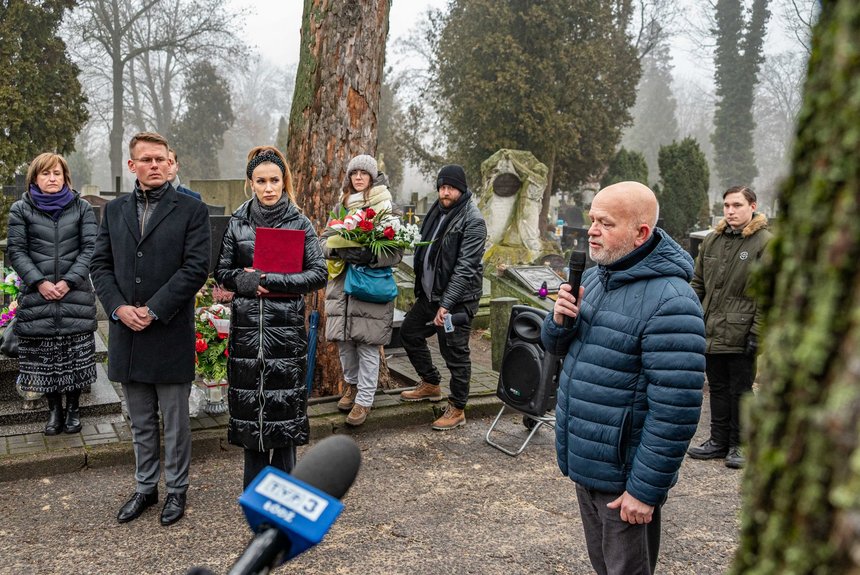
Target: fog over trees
{"type": "Point", "coordinates": [519, 87]}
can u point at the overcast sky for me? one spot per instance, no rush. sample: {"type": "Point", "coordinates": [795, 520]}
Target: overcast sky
{"type": "Point", "coordinates": [275, 27]}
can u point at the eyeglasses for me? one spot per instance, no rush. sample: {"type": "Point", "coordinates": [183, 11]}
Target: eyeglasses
{"type": "Point", "coordinates": [159, 160]}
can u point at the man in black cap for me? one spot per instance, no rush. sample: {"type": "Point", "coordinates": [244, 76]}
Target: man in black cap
{"type": "Point", "coordinates": [448, 281]}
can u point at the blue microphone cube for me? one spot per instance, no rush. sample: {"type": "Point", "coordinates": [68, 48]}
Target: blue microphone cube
{"type": "Point", "coordinates": [298, 510]}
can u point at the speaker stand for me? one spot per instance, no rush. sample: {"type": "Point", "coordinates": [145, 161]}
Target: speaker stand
{"type": "Point", "coordinates": [530, 421]}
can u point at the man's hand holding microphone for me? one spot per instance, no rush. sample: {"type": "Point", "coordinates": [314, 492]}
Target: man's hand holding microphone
{"type": "Point", "coordinates": [566, 308]}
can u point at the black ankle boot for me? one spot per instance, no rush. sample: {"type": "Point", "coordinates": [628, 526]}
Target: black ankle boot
{"type": "Point", "coordinates": [73, 413]}
{"type": "Point", "coordinates": [55, 414]}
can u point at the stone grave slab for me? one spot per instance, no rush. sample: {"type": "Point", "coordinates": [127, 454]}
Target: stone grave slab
{"type": "Point", "coordinates": [531, 278]}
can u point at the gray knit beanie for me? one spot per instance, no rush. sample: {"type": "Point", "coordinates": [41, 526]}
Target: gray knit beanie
{"type": "Point", "coordinates": [363, 162]}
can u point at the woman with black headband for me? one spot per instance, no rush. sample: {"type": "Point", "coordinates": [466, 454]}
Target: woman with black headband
{"type": "Point", "coordinates": [268, 340]}
{"type": "Point", "coordinates": [52, 233]}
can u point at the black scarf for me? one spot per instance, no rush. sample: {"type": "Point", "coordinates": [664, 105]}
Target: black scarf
{"type": "Point", "coordinates": [436, 212]}
{"type": "Point", "coordinates": [269, 216]}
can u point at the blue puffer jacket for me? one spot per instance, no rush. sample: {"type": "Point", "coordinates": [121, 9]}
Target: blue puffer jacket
{"type": "Point", "coordinates": [630, 392]}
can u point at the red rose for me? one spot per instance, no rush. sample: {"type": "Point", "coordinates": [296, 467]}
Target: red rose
{"type": "Point", "coordinates": [369, 213]}
{"type": "Point", "coordinates": [388, 233]}
{"type": "Point", "coordinates": [366, 225]}
{"type": "Point", "coordinates": [198, 335]}
{"type": "Point", "coordinates": [222, 335]}
{"type": "Point", "coordinates": [201, 345]}
{"type": "Point", "coordinates": [226, 352]}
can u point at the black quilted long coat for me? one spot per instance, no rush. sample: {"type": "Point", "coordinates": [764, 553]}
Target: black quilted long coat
{"type": "Point", "coordinates": [268, 338]}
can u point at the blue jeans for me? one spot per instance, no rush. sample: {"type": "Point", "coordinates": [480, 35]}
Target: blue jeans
{"type": "Point", "coordinates": [616, 547]}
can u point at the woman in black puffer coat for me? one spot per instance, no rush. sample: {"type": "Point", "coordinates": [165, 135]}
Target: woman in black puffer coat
{"type": "Point", "coordinates": [268, 338]}
{"type": "Point", "coordinates": [52, 233]}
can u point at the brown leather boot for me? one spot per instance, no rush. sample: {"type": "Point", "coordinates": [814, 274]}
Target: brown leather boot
{"type": "Point", "coordinates": [422, 391]}
{"type": "Point", "coordinates": [357, 416]}
{"type": "Point", "coordinates": [348, 398]}
{"type": "Point", "coordinates": [451, 418]}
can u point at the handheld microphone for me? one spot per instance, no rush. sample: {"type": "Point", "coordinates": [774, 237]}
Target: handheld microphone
{"type": "Point", "coordinates": [452, 320]}
{"type": "Point", "coordinates": [292, 513]}
{"type": "Point", "coordinates": [574, 278]}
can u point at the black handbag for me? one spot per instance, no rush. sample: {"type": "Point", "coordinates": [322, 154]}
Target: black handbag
{"type": "Point", "coordinates": [9, 345]}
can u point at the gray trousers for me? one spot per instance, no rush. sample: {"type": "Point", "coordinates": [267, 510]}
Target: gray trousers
{"type": "Point", "coordinates": [360, 363]}
{"type": "Point", "coordinates": [616, 547]}
{"type": "Point", "coordinates": [143, 401]}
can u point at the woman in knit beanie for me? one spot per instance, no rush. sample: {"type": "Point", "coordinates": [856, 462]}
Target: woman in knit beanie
{"type": "Point", "coordinates": [360, 328]}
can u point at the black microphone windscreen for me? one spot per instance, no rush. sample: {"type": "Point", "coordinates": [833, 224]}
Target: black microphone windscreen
{"type": "Point", "coordinates": [577, 261]}
{"type": "Point", "coordinates": [330, 466]}
{"type": "Point", "coordinates": [459, 318]}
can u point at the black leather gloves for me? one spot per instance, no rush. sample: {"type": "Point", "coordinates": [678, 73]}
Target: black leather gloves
{"type": "Point", "coordinates": [356, 256]}
{"type": "Point", "coordinates": [752, 345]}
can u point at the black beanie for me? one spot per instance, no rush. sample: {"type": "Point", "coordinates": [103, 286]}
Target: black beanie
{"type": "Point", "coordinates": [454, 176]}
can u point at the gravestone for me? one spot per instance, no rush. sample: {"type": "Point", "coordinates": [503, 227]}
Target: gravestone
{"type": "Point", "coordinates": [512, 186]}
{"type": "Point", "coordinates": [217, 227]}
{"type": "Point", "coordinates": [532, 277]}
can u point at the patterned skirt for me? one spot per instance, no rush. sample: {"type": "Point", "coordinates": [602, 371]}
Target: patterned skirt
{"type": "Point", "coordinates": [57, 364]}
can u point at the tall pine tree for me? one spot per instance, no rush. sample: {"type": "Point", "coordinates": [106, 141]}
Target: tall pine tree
{"type": "Point", "coordinates": [737, 60]}
{"type": "Point", "coordinates": [802, 482]}
{"type": "Point", "coordinates": [334, 117]}
{"type": "Point", "coordinates": [199, 134]}
{"type": "Point", "coordinates": [41, 104]}
{"type": "Point", "coordinates": [556, 78]}
{"type": "Point", "coordinates": [684, 192]}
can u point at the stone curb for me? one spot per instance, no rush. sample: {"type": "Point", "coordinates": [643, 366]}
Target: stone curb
{"type": "Point", "coordinates": [213, 442]}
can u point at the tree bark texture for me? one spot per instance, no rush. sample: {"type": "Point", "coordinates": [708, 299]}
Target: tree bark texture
{"type": "Point", "coordinates": [334, 117]}
{"type": "Point", "coordinates": [802, 485]}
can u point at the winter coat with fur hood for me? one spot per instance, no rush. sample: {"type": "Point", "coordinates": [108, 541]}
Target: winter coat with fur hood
{"type": "Point", "coordinates": [721, 280]}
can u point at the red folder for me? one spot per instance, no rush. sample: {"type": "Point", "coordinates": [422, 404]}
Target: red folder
{"type": "Point", "coordinates": [279, 251]}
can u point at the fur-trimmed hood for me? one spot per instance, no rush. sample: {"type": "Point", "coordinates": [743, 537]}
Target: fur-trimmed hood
{"type": "Point", "coordinates": [758, 222]}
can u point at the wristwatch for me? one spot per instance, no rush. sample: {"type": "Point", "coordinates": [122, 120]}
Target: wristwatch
{"type": "Point", "coordinates": [151, 314]}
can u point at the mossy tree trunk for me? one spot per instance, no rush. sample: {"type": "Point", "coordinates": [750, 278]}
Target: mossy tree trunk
{"type": "Point", "coordinates": [334, 117]}
{"type": "Point", "coordinates": [801, 510]}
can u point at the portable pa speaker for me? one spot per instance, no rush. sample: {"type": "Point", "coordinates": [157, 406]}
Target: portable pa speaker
{"type": "Point", "coordinates": [528, 378]}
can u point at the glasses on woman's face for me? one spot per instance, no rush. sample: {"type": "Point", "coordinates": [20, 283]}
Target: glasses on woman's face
{"type": "Point", "coordinates": [160, 160]}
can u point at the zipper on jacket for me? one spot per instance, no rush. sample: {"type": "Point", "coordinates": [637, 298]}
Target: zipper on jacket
{"type": "Point", "coordinates": [261, 399]}
{"type": "Point", "coordinates": [57, 314]}
{"type": "Point", "coordinates": [145, 209]}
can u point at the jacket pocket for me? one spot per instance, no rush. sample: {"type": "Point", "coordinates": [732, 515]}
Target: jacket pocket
{"type": "Point", "coordinates": [624, 437]}
{"type": "Point", "coordinates": [740, 312]}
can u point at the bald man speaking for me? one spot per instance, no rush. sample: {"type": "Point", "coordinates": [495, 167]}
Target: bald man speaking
{"type": "Point", "coordinates": [630, 391]}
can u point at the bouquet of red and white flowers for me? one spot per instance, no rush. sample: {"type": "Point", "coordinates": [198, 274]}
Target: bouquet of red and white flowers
{"type": "Point", "coordinates": [381, 232]}
{"type": "Point", "coordinates": [212, 325]}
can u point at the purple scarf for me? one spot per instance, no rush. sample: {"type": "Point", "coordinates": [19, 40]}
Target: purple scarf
{"type": "Point", "coordinates": [52, 204]}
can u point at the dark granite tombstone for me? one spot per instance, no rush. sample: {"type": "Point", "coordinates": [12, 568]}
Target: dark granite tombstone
{"type": "Point", "coordinates": [217, 227]}
{"type": "Point", "coordinates": [574, 237]}
{"type": "Point", "coordinates": [532, 277]}
{"type": "Point", "coordinates": [506, 185]}
{"type": "Point", "coordinates": [216, 210]}
{"type": "Point", "coordinates": [97, 203]}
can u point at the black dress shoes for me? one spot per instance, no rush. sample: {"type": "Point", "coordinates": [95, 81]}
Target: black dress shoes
{"type": "Point", "coordinates": [174, 508]}
{"type": "Point", "coordinates": [735, 459]}
{"type": "Point", "coordinates": [135, 506]}
{"type": "Point", "coordinates": [708, 450]}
